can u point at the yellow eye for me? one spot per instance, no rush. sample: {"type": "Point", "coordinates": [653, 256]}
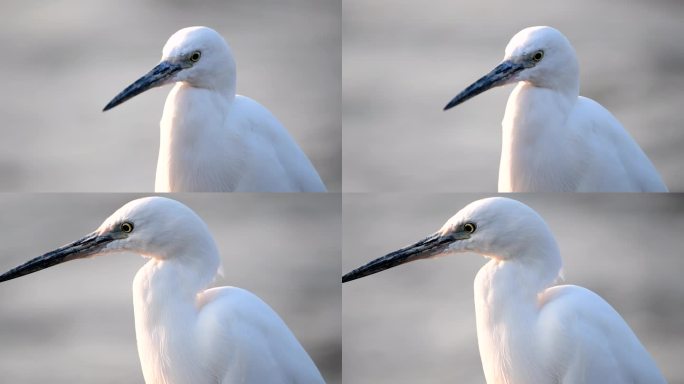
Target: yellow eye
{"type": "Point", "coordinates": [127, 227]}
{"type": "Point", "coordinates": [195, 56]}
{"type": "Point", "coordinates": [469, 227]}
{"type": "Point", "coordinates": [538, 56]}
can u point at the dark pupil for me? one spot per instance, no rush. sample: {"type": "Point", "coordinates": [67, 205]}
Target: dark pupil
{"type": "Point", "coordinates": [195, 56]}
{"type": "Point", "coordinates": [537, 56]}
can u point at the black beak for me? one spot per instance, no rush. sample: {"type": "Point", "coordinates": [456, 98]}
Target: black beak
{"type": "Point", "coordinates": [159, 75]}
{"type": "Point", "coordinates": [498, 76]}
{"type": "Point", "coordinates": [87, 246]}
{"type": "Point", "coordinates": [428, 247]}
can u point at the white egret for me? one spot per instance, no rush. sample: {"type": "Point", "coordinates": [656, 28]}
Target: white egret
{"type": "Point", "coordinates": [553, 139]}
{"type": "Point", "coordinates": [186, 334]}
{"type": "Point", "coordinates": [213, 140]}
{"type": "Point", "coordinates": [530, 330]}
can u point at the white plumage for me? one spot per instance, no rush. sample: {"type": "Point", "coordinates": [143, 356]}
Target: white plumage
{"type": "Point", "coordinates": [186, 334]}
{"type": "Point", "coordinates": [554, 139]}
{"type": "Point", "coordinates": [211, 139]}
{"type": "Point", "coordinates": [529, 329]}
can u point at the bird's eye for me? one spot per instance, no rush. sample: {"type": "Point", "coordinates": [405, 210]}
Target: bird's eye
{"type": "Point", "coordinates": [195, 56]}
{"type": "Point", "coordinates": [538, 56]}
{"type": "Point", "coordinates": [469, 227]}
{"type": "Point", "coordinates": [127, 227]}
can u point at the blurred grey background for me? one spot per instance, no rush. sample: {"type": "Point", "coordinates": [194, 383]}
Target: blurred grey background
{"type": "Point", "coordinates": [416, 323]}
{"type": "Point", "coordinates": [403, 62]}
{"type": "Point", "coordinates": [73, 323]}
{"type": "Point", "coordinates": [64, 60]}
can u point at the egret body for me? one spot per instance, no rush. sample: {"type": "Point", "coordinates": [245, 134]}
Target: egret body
{"type": "Point", "coordinates": [530, 330]}
{"type": "Point", "coordinates": [186, 334]}
{"type": "Point", "coordinates": [211, 139]}
{"type": "Point", "coordinates": [553, 139]}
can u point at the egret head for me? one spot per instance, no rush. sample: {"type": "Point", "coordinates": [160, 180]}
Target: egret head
{"type": "Point", "coordinates": [496, 227]}
{"type": "Point", "coordinates": [198, 56]}
{"type": "Point", "coordinates": [541, 56]}
{"type": "Point", "coordinates": [155, 227]}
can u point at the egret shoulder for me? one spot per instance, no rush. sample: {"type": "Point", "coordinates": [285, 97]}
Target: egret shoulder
{"type": "Point", "coordinates": [259, 347]}
{"type": "Point", "coordinates": [576, 324]}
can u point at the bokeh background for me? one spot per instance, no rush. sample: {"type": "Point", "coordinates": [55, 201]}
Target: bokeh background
{"type": "Point", "coordinates": [64, 60]}
{"type": "Point", "coordinates": [403, 62]}
{"type": "Point", "coordinates": [73, 323]}
{"type": "Point", "coordinates": [415, 323]}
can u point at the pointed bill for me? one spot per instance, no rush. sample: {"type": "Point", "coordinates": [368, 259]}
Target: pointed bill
{"type": "Point", "coordinates": [430, 246]}
{"type": "Point", "coordinates": [498, 76]}
{"type": "Point", "coordinates": [158, 76]}
{"type": "Point", "coordinates": [87, 246]}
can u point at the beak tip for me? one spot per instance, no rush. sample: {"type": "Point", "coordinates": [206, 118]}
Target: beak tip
{"type": "Point", "coordinates": [111, 105]}
{"type": "Point", "coordinates": [458, 99]}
